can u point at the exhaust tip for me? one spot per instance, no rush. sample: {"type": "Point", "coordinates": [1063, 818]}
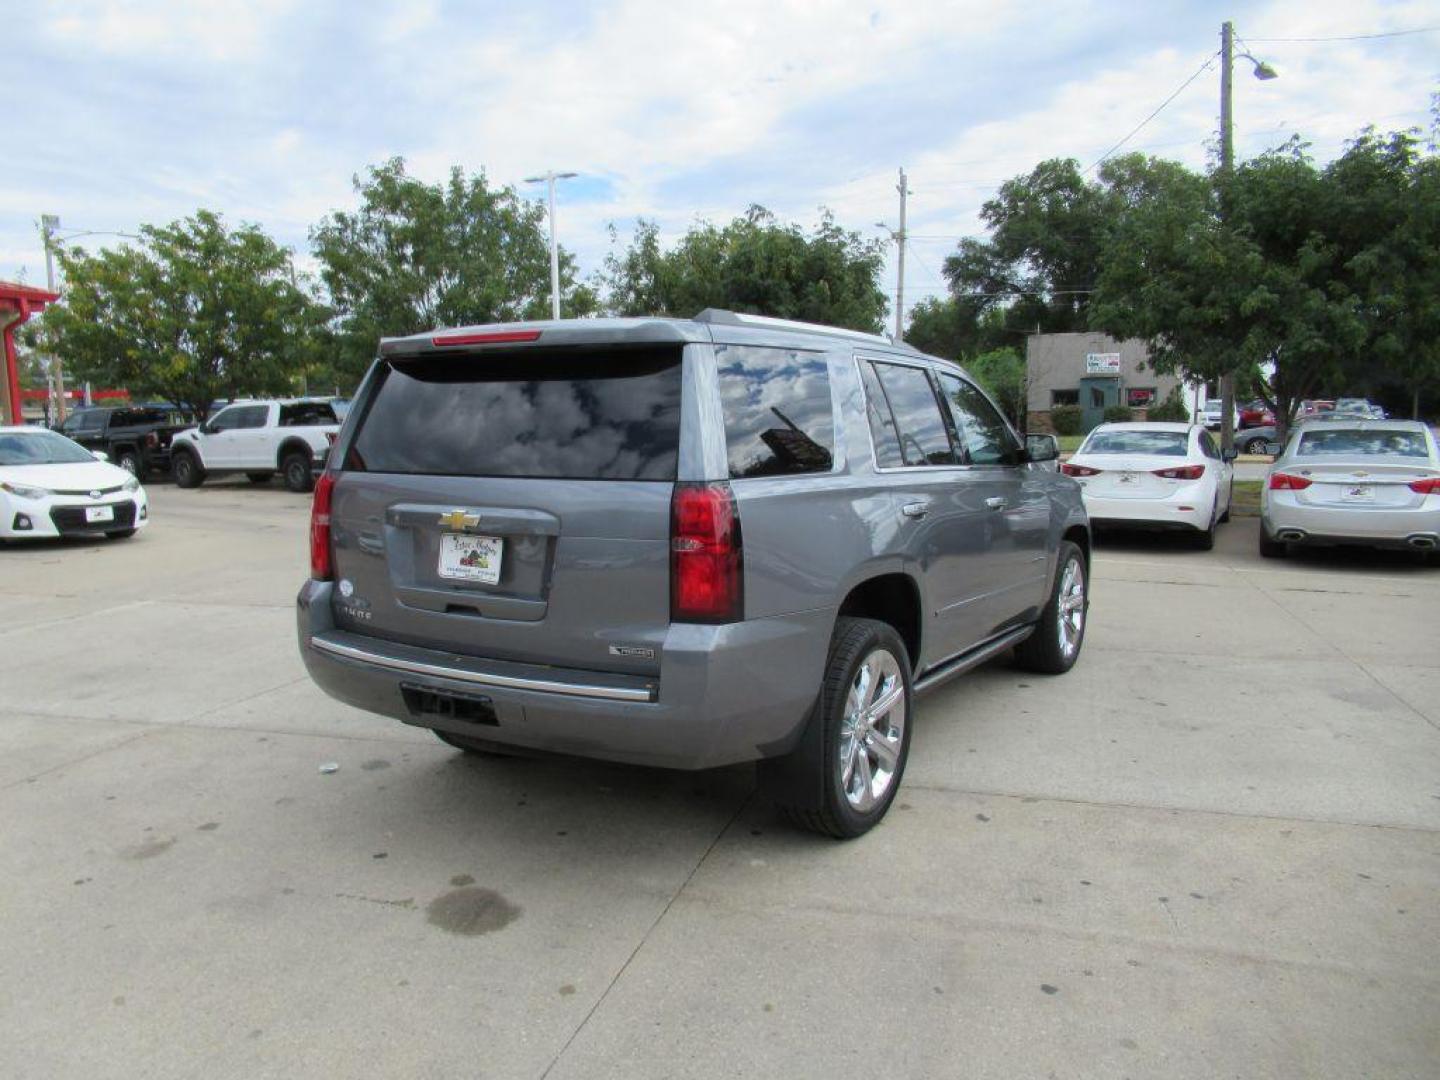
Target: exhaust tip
{"type": "Point", "coordinates": [1423, 543]}
{"type": "Point", "coordinates": [1290, 534]}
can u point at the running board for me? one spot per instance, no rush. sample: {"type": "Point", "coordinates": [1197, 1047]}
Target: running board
{"type": "Point", "coordinates": [958, 665]}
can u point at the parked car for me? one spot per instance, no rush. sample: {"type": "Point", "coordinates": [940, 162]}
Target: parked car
{"type": "Point", "coordinates": [1311, 407]}
{"type": "Point", "coordinates": [136, 438]}
{"type": "Point", "coordinates": [1374, 483]}
{"type": "Point", "coordinates": [53, 486]}
{"type": "Point", "coordinates": [257, 438]}
{"type": "Point", "coordinates": [1253, 414]}
{"type": "Point", "coordinates": [1210, 414]}
{"type": "Point", "coordinates": [684, 543]}
{"type": "Point", "coordinates": [1154, 475]}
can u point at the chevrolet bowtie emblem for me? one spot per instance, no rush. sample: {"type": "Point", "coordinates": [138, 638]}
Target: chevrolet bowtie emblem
{"type": "Point", "coordinates": [459, 519]}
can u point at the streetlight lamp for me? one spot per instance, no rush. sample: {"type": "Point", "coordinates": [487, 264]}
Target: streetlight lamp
{"type": "Point", "coordinates": [1264, 72]}
{"type": "Point", "coordinates": [550, 177]}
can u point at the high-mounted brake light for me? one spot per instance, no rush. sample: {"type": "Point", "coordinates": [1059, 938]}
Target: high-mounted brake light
{"type": "Point", "coordinates": [1430, 486]}
{"type": "Point", "coordinates": [1288, 482]}
{"type": "Point", "coordinates": [320, 568]}
{"type": "Point", "coordinates": [1181, 472]}
{"type": "Point", "coordinates": [706, 560]}
{"type": "Point", "coordinates": [493, 337]}
{"type": "Point", "coordinates": [1078, 470]}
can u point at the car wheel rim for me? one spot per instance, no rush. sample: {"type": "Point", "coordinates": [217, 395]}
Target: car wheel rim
{"type": "Point", "coordinates": [128, 464]}
{"type": "Point", "coordinates": [297, 473]}
{"type": "Point", "coordinates": [873, 730]}
{"type": "Point", "coordinates": [1072, 607]}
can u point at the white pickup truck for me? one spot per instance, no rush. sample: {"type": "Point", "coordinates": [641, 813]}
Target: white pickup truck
{"type": "Point", "coordinates": [259, 439]}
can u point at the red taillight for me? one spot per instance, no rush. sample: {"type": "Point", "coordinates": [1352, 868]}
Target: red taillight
{"type": "Point", "coordinates": [330, 438]}
{"type": "Point", "coordinates": [493, 337]}
{"type": "Point", "coordinates": [1286, 482]}
{"type": "Point", "coordinates": [1181, 472]}
{"type": "Point", "coordinates": [1426, 487]}
{"type": "Point", "coordinates": [706, 568]}
{"type": "Point", "coordinates": [1078, 470]}
{"type": "Point", "coordinates": [320, 568]}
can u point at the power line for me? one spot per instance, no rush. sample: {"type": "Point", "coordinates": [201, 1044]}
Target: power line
{"type": "Point", "coordinates": [1346, 37]}
{"type": "Point", "coordinates": [1209, 60]}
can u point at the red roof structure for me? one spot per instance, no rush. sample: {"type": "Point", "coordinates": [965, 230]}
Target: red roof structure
{"type": "Point", "coordinates": [17, 304]}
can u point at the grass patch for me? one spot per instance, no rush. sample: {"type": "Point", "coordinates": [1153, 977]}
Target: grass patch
{"type": "Point", "coordinates": [1070, 443]}
{"type": "Point", "coordinates": [1245, 498]}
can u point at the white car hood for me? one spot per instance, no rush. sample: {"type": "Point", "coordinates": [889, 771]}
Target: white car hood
{"type": "Point", "coordinates": [81, 476]}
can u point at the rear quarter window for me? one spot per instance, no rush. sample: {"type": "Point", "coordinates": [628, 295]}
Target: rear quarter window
{"type": "Point", "coordinates": [778, 415]}
{"type": "Point", "coordinates": [581, 415]}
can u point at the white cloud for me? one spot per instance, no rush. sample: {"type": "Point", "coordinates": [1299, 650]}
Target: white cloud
{"type": "Point", "coordinates": [209, 30]}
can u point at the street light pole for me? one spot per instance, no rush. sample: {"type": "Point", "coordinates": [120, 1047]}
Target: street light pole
{"type": "Point", "coordinates": [550, 177]}
{"type": "Point", "coordinates": [48, 224]}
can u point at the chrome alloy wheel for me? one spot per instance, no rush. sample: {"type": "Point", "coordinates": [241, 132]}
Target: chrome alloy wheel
{"type": "Point", "coordinates": [1071, 602]}
{"type": "Point", "coordinates": [873, 730]}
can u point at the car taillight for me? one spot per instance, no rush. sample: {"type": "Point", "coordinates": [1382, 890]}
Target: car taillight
{"type": "Point", "coordinates": [1426, 487]}
{"type": "Point", "coordinates": [330, 438]}
{"type": "Point", "coordinates": [1078, 470]}
{"type": "Point", "coordinates": [706, 564]}
{"type": "Point", "coordinates": [489, 337]}
{"type": "Point", "coordinates": [320, 568]}
{"type": "Point", "coordinates": [1286, 482]}
{"type": "Point", "coordinates": [1181, 472]}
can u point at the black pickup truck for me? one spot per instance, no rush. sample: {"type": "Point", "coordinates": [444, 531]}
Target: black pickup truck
{"type": "Point", "coordinates": [137, 438]}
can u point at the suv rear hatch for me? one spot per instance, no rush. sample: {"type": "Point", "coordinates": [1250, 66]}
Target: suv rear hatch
{"type": "Point", "coordinates": [513, 504]}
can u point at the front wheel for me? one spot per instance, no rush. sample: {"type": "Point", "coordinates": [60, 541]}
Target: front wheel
{"type": "Point", "coordinates": [1055, 645]}
{"type": "Point", "coordinates": [843, 777]}
{"type": "Point", "coordinates": [296, 469]}
{"type": "Point", "coordinates": [188, 471]}
{"type": "Point", "coordinates": [129, 460]}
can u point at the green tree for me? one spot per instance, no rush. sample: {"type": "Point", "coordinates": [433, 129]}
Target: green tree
{"type": "Point", "coordinates": [1002, 373]}
{"type": "Point", "coordinates": [417, 256]}
{"type": "Point", "coordinates": [754, 265]}
{"type": "Point", "coordinates": [196, 312]}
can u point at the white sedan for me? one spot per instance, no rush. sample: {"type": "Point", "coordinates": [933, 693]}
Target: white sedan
{"type": "Point", "coordinates": [50, 486]}
{"type": "Point", "coordinates": [1154, 475]}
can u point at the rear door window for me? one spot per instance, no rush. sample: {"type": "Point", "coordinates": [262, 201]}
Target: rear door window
{"type": "Point", "coordinates": [985, 438]}
{"type": "Point", "coordinates": [920, 426]}
{"type": "Point", "coordinates": [580, 414]}
{"type": "Point", "coordinates": [778, 416]}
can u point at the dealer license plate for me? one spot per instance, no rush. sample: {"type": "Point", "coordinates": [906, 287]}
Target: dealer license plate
{"type": "Point", "coordinates": [1359, 493]}
{"type": "Point", "coordinates": [99, 513]}
{"type": "Point", "coordinates": [471, 558]}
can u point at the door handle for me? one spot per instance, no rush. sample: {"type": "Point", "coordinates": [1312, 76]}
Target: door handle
{"type": "Point", "coordinates": [996, 502]}
{"type": "Point", "coordinates": [915, 510]}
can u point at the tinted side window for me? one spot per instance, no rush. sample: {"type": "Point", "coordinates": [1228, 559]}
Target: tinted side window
{"type": "Point", "coordinates": [1207, 446]}
{"type": "Point", "coordinates": [227, 419]}
{"type": "Point", "coordinates": [985, 438]}
{"type": "Point", "coordinates": [924, 438]}
{"type": "Point", "coordinates": [778, 417]}
{"type": "Point", "coordinates": [584, 415]}
{"type": "Point", "coordinates": [307, 413]}
{"type": "Point", "coordinates": [882, 421]}
{"type": "Point", "coordinates": [253, 416]}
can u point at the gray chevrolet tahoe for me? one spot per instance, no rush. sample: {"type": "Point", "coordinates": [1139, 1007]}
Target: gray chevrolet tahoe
{"type": "Point", "coordinates": [684, 543]}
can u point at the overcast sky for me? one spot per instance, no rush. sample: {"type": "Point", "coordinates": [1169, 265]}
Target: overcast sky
{"type": "Point", "coordinates": [124, 113]}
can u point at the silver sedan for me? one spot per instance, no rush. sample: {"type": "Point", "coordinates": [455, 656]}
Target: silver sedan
{"type": "Point", "coordinates": [1375, 483]}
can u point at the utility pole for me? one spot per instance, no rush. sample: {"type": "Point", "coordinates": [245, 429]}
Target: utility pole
{"type": "Point", "coordinates": [904, 190]}
{"type": "Point", "coordinates": [550, 177]}
{"type": "Point", "coordinates": [1227, 166]}
{"type": "Point", "coordinates": [48, 224]}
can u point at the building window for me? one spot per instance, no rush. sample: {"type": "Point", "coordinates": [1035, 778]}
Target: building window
{"type": "Point", "coordinates": [1064, 397]}
{"type": "Point", "coordinates": [1138, 397]}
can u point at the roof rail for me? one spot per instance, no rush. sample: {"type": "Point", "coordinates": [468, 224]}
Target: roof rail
{"type": "Point", "coordinates": [721, 317]}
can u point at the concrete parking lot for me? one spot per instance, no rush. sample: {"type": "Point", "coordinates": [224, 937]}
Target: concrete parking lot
{"type": "Point", "coordinates": [1213, 849]}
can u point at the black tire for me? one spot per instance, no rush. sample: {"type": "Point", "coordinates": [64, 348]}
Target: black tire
{"type": "Point", "coordinates": [1043, 651]}
{"type": "Point", "coordinates": [130, 461]}
{"type": "Point", "coordinates": [481, 747]}
{"type": "Point", "coordinates": [1204, 539]}
{"type": "Point", "coordinates": [120, 534]}
{"type": "Point", "coordinates": [187, 470]}
{"type": "Point", "coordinates": [1225, 517]}
{"type": "Point", "coordinates": [259, 477]}
{"type": "Point", "coordinates": [809, 785]}
{"type": "Point", "coordinates": [295, 468]}
{"type": "Point", "coordinates": [1272, 549]}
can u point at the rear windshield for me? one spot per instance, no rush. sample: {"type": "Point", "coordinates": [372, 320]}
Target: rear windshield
{"type": "Point", "coordinates": [1164, 443]}
{"type": "Point", "coordinates": [778, 418]}
{"type": "Point", "coordinates": [1350, 442]}
{"type": "Point", "coordinates": [573, 415]}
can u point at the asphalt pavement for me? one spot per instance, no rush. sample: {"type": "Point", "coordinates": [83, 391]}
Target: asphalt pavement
{"type": "Point", "coordinates": [1212, 849]}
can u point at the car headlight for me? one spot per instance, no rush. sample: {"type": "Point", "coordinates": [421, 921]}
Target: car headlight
{"type": "Point", "coordinates": [25, 491]}
{"type": "Point", "coordinates": [132, 485]}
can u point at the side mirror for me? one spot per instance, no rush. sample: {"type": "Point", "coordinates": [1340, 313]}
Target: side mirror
{"type": "Point", "coordinates": [1229, 455]}
{"type": "Point", "coordinates": [100, 455]}
{"type": "Point", "coordinates": [206, 429]}
{"type": "Point", "coordinates": [1042, 447]}
{"type": "Point", "coordinates": [1274, 449]}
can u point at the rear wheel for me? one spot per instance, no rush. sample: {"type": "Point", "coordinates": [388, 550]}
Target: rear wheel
{"type": "Point", "coordinates": [1055, 645]}
{"type": "Point", "coordinates": [1253, 446]}
{"type": "Point", "coordinates": [853, 756]}
{"type": "Point", "coordinates": [296, 470]}
{"type": "Point", "coordinates": [1204, 539]}
{"type": "Point", "coordinates": [259, 477]}
{"type": "Point", "coordinates": [187, 469]}
{"type": "Point", "coordinates": [1272, 549]}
